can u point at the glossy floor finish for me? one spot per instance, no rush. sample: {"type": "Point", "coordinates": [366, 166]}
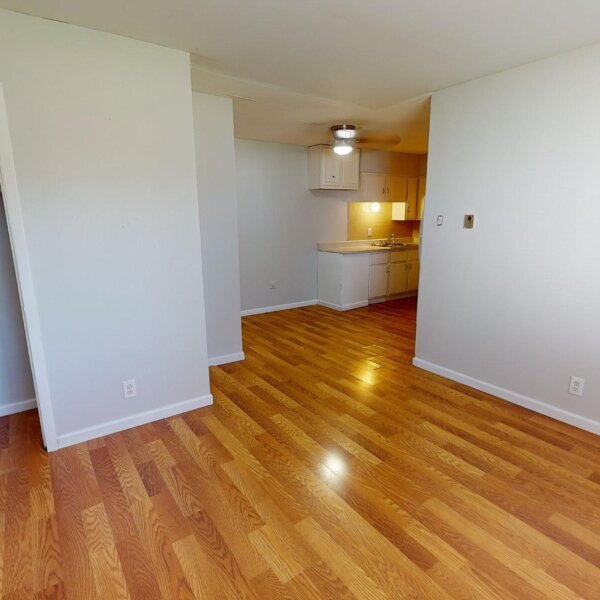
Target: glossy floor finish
{"type": "Point", "coordinates": [329, 467]}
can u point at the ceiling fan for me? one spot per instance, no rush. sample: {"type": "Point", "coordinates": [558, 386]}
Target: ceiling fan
{"type": "Point", "coordinates": [346, 138]}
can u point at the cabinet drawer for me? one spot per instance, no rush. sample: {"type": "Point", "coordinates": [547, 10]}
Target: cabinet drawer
{"type": "Point", "coordinates": [400, 256]}
{"type": "Point", "coordinates": [379, 258]}
{"type": "Point", "coordinates": [412, 255]}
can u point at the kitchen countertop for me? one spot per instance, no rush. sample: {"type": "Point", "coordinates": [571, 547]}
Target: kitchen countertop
{"type": "Point", "coordinates": [367, 248]}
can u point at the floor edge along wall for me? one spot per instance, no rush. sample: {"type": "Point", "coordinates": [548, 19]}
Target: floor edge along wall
{"type": "Point", "coordinates": [525, 401]}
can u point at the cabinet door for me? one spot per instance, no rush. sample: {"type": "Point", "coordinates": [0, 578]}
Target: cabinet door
{"type": "Point", "coordinates": [395, 188]}
{"type": "Point", "coordinates": [373, 187]}
{"type": "Point", "coordinates": [421, 188]}
{"type": "Point", "coordinates": [412, 282]}
{"type": "Point", "coordinates": [378, 280]}
{"type": "Point", "coordinates": [331, 165]}
{"type": "Point", "coordinates": [398, 279]}
{"type": "Point", "coordinates": [398, 211]}
{"type": "Point", "coordinates": [350, 175]}
{"type": "Point", "coordinates": [411, 198]}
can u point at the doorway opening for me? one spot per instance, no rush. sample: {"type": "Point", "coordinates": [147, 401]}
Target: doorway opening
{"type": "Point", "coordinates": [27, 300]}
{"type": "Point", "coordinates": [17, 391]}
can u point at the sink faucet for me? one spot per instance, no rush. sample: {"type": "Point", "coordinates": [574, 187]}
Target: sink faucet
{"type": "Point", "coordinates": [391, 239]}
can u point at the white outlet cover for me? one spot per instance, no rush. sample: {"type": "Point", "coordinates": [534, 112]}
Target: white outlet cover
{"type": "Point", "coordinates": [576, 385]}
{"type": "Point", "coordinates": [129, 388]}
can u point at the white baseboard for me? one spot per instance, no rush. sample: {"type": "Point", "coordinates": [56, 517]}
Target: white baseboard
{"type": "Point", "coordinates": [329, 305]}
{"type": "Point", "coordinates": [342, 307]}
{"type": "Point", "coordinates": [531, 403]}
{"type": "Point", "coordinates": [355, 305]}
{"type": "Point", "coordinates": [17, 407]}
{"type": "Point", "coordinates": [268, 309]}
{"type": "Point", "coordinates": [90, 433]}
{"type": "Point", "coordinates": [213, 361]}
{"type": "Point", "coordinates": [394, 297]}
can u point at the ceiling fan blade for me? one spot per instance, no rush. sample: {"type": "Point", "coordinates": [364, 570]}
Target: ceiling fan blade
{"type": "Point", "coordinates": [371, 140]}
{"type": "Point", "coordinates": [366, 139]}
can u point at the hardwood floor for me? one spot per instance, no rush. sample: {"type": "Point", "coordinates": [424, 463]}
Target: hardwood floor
{"type": "Point", "coordinates": [329, 467]}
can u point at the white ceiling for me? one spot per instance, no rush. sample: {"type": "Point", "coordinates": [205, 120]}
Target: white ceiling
{"type": "Point", "coordinates": [303, 62]}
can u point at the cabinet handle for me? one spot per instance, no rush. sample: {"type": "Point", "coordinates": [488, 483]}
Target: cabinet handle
{"type": "Point", "coordinates": [383, 191]}
{"type": "Point", "coordinates": [388, 191]}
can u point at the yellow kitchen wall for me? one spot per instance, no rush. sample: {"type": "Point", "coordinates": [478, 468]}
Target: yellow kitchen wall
{"type": "Point", "coordinates": [361, 217]}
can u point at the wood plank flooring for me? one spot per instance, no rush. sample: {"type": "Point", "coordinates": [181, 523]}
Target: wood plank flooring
{"type": "Point", "coordinates": [329, 467]}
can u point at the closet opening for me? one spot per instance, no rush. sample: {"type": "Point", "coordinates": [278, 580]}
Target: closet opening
{"type": "Point", "coordinates": [17, 391]}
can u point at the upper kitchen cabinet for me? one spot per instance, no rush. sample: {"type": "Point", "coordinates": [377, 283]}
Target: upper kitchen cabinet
{"type": "Point", "coordinates": [411, 199]}
{"type": "Point", "coordinates": [396, 188]}
{"type": "Point", "coordinates": [411, 208]}
{"type": "Point", "coordinates": [373, 187]}
{"type": "Point", "coordinates": [376, 187]}
{"type": "Point", "coordinates": [330, 171]}
{"type": "Point", "coordinates": [421, 188]}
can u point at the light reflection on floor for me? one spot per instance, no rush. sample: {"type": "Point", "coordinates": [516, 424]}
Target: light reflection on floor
{"type": "Point", "coordinates": [333, 466]}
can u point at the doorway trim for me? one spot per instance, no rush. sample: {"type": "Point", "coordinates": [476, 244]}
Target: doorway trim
{"type": "Point", "coordinates": [28, 300]}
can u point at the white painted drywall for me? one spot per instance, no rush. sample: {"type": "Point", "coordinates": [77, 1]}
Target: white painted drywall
{"type": "Point", "coordinates": [280, 223]}
{"type": "Point", "coordinates": [217, 200]}
{"type": "Point", "coordinates": [16, 384]}
{"type": "Point", "coordinates": [102, 133]}
{"type": "Point", "coordinates": [515, 302]}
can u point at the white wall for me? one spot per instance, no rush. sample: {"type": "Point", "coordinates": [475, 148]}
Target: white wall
{"type": "Point", "coordinates": [16, 385]}
{"type": "Point", "coordinates": [102, 132]}
{"type": "Point", "coordinates": [280, 223]}
{"type": "Point", "coordinates": [514, 304]}
{"type": "Point", "coordinates": [215, 165]}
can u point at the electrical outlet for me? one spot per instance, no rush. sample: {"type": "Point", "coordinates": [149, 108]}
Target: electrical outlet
{"type": "Point", "coordinates": [576, 385]}
{"type": "Point", "coordinates": [129, 388]}
{"type": "Point", "coordinates": [273, 285]}
{"type": "Point", "coordinates": [369, 231]}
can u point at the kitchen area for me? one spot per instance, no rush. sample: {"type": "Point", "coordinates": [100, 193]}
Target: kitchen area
{"type": "Point", "coordinates": [379, 260]}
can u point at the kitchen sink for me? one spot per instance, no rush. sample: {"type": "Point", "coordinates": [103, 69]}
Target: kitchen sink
{"type": "Point", "coordinates": [395, 245]}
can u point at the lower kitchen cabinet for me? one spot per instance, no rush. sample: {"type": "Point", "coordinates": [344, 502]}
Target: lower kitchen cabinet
{"type": "Point", "coordinates": [346, 281]}
{"type": "Point", "coordinates": [404, 277]}
{"type": "Point", "coordinates": [398, 279]}
{"type": "Point", "coordinates": [378, 280]}
{"type": "Point", "coordinates": [412, 279]}
{"type": "Point", "coordinates": [395, 272]}
{"type": "Point", "coordinates": [343, 280]}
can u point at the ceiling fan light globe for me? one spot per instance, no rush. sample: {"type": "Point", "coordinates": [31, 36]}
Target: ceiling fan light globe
{"type": "Point", "coordinates": [342, 149]}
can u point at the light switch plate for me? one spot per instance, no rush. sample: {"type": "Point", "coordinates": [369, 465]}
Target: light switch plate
{"type": "Point", "coordinates": [469, 221]}
{"type": "Point", "coordinates": [440, 220]}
